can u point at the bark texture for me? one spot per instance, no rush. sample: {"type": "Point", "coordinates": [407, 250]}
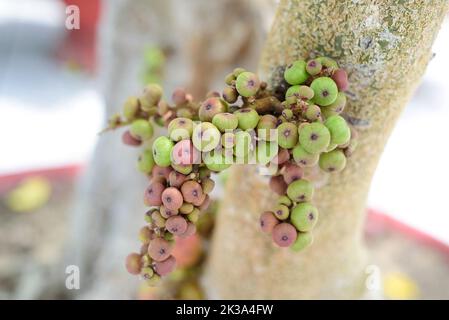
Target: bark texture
{"type": "Point", "coordinates": [385, 47]}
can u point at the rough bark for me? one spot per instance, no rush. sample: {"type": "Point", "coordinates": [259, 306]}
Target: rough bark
{"type": "Point", "coordinates": [385, 46]}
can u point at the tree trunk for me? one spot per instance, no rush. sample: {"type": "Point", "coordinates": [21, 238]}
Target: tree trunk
{"type": "Point", "coordinates": [203, 43]}
{"type": "Point", "coordinates": [385, 47]}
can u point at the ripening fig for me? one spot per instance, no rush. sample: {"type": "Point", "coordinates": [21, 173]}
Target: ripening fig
{"type": "Point", "coordinates": [162, 149]}
{"type": "Point", "coordinates": [304, 216]}
{"type": "Point", "coordinates": [300, 191]}
{"type": "Point", "coordinates": [145, 162]}
{"type": "Point", "coordinates": [296, 73]}
{"type": "Point", "coordinates": [180, 128]}
{"type": "Point", "coordinates": [303, 240]}
{"type": "Point", "coordinates": [225, 121]}
{"type": "Point", "coordinates": [247, 118]}
{"type": "Point", "coordinates": [211, 107]}
{"type": "Point", "coordinates": [133, 264]}
{"type": "Point", "coordinates": [141, 129]}
{"type": "Point", "coordinates": [247, 84]}
{"type": "Point", "coordinates": [334, 161]}
{"type": "Point", "coordinates": [325, 91]}
{"type": "Point", "coordinates": [268, 221]}
{"type": "Point", "coordinates": [284, 234]}
{"type": "Point", "coordinates": [287, 135]}
{"type": "Point", "coordinates": [130, 108]}
{"type": "Point", "coordinates": [339, 130]}
{"type": "Point", "coordinates": [314, 137]}
{"type": "Point", "coordinates": [206, 136]}
{"type": "Point", "coordinates": [304, 158]}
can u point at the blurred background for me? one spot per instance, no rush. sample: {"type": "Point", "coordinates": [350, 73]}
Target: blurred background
{"type": "Point", "coordinates": [69, 196]}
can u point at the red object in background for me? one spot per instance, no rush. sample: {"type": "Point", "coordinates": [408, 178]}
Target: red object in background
{"type": "Point", "coordinates": [79, 45]}
{"type": "Point", "coordinates": [9, 181]}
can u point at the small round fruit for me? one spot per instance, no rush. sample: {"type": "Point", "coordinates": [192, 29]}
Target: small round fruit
{"type": "Point", "coordinates": [296, 73]}
{"type": "Point", "coordinates": [292, 172]}
{"type": "Point", "coordinates": [153, 194]}
{"type": "Point", "coordinates": [325, 91]}
{"type": "Point", "coordinates": [180, 128]}
{"type": "Point", "coordinates": [130, 108]}
{"type": "Point", "coordinates": [313, 112]}
{"type": "Point", "coordinates": [184, 169]}
{"type": "Point", "coordinates": [285, 201]}
{"type": "Point", "coordinates": [147, 272]}
{"type": "Point", "coordinates": [287, 135]}
{"type": "Point", "coordinates": [217, 161]}
{"type": "Point", "coordinates": [167, 213]}
{"type": "Point", "coordinates": [152, 94]}
{"type": "Point", "coordinates": [268, 221]}
{"type": "Point", "coordinates": [163, 268]}
{"type": "Point", "coordinates": [266, 152]}
{"type": "Point", "coordinates": [161, 172]}
{"type": "Point", "coordinates": [230, 94]}
{"type": "Point", "coordinates": [145, 163]}
{"type": "Point", "coordinates": [247, 118]}
{"type": "Point", "coordinates": [300, 191]}
{"type": "Point", "coordinates": [304, 217]}
{"type": "Point", "coordinates": [191, 230]}
{"type": "Point", "coordinates": [162, 148]}
{"type": "Point", "coordinates": [186, 208]}
{"type": "Point", "coordinates": [192, 191]}
{"type": "Point", "coordinates": [179, 96]}
{"type": "Point", "coordinates": [341, 79]}
{"type": "Point", "coordinates": [334, 161]}
{"type": "Point", "coordinates": [176, 225]}
{"type": "Point", "coordinates": [284, 234]}
{"type": "Point", "coordinates": [327, 62]}
{"type": "Point", "coordinates": [339, 130]}
{"type": "Point", "coordinates": [303, 158]}
{"type": "Point", "coordinates": [207, 185]}
{"type": "Point", "coordinates": [159, 249]}
{"type": "Point", "coordinates": [205, 204]}
{"type": "Point", "coordinates": [278, 185]}
{"type": "Point", "coordinates": [158, 219]}
{"type": "Point", "coordinates": [247, 84]}
{"type": "Point", "coordinates": [313, 67]}
{"type": "Point", "coordinates": [129, 140]}
{"type": "Point", "coordinates": [133, 264]}
{"type": "Point", "coordinates": [176, 179]}
{"type": "Point", "coordinates": [141, 129]}
{"type": "Point", "coordinates": [228, 140]}
{"type": "Point", "coordinates": [194, 215]}
{"type": "Point", "coordinates": [282, 156]}
{"type": "Point", "coordinates": [145, 235]}
{"type": "Point", "coordinates": [153, 281]}
{"type": "Point", "coordinates": [266, 128]}
{"type": "Point", "coordinates": [336, 107]}
{"type": "Point", "coordinates": [314, 137]}
{"type": "Point", "coordinates": [184, 153]}
{"type": "Point", "coordinates": [293, 91]}
{"type": "Point", "coordinates": [281, 212]}
{"type": "Point", "coordinates": [206, 136]}
{"type": "Point", "coordinates": [243, 144]}
{"type": "Point", "coordinates": [172, 198]}
{"type": "Point", "coordinates": [229, 79]}
{"type": "Point", "coordinates": [225, 121]}
{"type": "Point", "coordinates": [303, 240]}
{"type": "Point", "coordinates": [238, 71]}
{"type": "Point", "coordinates": [210, 107]}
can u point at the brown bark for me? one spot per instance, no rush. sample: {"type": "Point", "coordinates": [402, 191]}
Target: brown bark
{"type": "Point", "coordinates": [385, 46]}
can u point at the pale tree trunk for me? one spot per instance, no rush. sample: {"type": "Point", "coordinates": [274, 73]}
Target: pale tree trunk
{"type": "Point", "coordinates": [385, 46]}
{"type": "Point", "coordinates": [205, 39]}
